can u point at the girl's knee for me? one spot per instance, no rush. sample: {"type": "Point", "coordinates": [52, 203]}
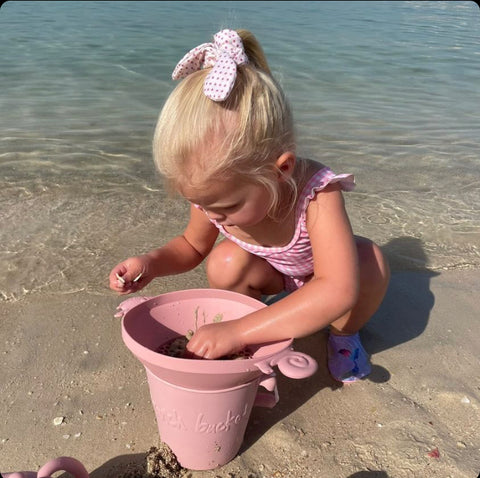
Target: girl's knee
{"type": "Point", "coordinates": [232, 268]}
{"type": "Point", "coordinates": [224, 265]}
{"type": "Point", "coordinates": [374, 265]}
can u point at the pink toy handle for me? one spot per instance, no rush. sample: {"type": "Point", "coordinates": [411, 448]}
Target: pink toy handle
{"type": "Point", "coordinates": [63, 463]}
{"type": "Point", "coordinates": [270, 398]}
{"type": "Point", "coordinates": [292, 364]}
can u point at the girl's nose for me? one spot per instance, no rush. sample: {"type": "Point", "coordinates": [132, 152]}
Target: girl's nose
{"type": "Point", "coordinates": [216, 216]}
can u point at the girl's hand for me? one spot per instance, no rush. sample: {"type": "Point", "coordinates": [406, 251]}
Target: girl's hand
{"type": "Point", "coordinates": [131, 275]}
{"type": "Point", "coordinates": [213, 341]}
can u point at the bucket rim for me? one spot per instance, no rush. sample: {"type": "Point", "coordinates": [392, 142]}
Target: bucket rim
{"type": "Point", "coordinates": [217, 366]}
{"type": "Point", "coordinates": [249, 383]}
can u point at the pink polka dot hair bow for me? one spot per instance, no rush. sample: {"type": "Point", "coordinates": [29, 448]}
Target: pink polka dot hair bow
{"type": "Point", "coordinates": [224, 54]}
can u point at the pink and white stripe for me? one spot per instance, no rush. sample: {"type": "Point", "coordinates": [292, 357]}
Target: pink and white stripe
{"type": "Point", "coordinates": [295, 260]}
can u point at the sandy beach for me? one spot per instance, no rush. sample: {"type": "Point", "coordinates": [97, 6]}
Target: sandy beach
{"type": "Point", "coordinates": [417, 415]}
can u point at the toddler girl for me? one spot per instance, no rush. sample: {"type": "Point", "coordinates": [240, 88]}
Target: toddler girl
{"type": "Point", "coordinates": [225, 141]}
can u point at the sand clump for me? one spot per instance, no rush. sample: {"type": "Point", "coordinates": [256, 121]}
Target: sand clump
{"type": "Point", "coordinates": [162, 463]}
{"type": "Point", "coordinates": [159, 462]}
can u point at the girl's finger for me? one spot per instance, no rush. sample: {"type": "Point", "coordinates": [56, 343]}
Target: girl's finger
{"type": "Point", "coordinates": [120, 279]}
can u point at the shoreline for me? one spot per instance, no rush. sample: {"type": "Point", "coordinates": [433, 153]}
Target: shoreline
{"type": "Point", "coordinates": [63, 356]}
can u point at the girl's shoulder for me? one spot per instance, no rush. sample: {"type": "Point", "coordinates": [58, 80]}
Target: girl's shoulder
{"type": "Point", "coordinates": [317, 178]}
{"type": "Point", "coordinates": [313, 172]}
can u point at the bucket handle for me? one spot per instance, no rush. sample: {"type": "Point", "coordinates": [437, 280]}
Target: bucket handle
{"type": "Point", "coordinates": [62, 463]}
{"type": "Point", "coordinates": [269, 398]}
{"type": "Point", "coordinates": [291, 363]}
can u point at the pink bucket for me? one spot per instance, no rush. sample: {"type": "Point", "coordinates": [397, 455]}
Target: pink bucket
{"type": "Point", "coordinates": [204, 428]}
{"type": "Point", "coordinates": [202, 407]}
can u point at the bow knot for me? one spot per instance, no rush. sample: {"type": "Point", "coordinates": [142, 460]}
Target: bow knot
{"type": "Point", "coordinates": [224, 55]}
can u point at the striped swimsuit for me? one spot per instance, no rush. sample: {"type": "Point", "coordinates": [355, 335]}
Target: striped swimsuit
{"type": "Point", "coordinates": [295, 260]}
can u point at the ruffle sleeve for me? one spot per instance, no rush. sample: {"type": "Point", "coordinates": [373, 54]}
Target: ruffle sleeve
{"type": "Point", "coordinates": [320, 180]}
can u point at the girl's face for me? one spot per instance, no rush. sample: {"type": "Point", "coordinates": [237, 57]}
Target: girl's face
{"type": "Point", "coordinates": [232, 203]}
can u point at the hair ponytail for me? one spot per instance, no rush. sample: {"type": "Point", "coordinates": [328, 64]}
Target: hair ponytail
{"type": "Point", "coordinates": [254, 51]}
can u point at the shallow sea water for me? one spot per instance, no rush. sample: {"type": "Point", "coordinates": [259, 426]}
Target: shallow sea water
{"type": "Point", "coordinates": [388, 91]}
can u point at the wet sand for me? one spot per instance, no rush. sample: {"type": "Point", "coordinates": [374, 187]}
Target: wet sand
{"type": "Point", "coordinates": [63, 358]}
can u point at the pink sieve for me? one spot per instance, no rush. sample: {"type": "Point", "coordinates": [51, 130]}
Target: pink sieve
{"type": "Point", "coordinates": [152, 323]}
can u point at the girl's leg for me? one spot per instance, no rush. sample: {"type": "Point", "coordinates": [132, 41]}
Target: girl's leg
{"type": "Point", "coordinates": [374, 279]}
{"type": "Point", "coordinates": [232, 268]}
{"type": "Point", "coordinates": [347, 359]}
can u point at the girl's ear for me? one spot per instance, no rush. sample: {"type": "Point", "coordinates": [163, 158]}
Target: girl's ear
{"type": "Point", "coordinates": [285, 165]}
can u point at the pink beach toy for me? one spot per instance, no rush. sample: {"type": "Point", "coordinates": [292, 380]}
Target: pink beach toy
{"type": "Point", "coordinates": [202, 407]}
{"type": "Point", "coordinates": [63, 463]}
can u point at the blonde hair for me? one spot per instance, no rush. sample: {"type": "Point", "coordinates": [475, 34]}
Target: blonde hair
{"type": "Point", "coordinates": [197, 140]}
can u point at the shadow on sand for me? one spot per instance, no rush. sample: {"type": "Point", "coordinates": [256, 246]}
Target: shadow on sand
{"type": "Point", "coordinates": [405, 310]}
{"type": "Point", "coordinates": [125, 466]}
{"type": "Point", "coordinates": [369, 474]}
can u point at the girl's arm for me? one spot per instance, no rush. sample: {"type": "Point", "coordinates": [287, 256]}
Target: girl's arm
{"type": "Point", "coordinates": [330, 294]}
{"type": "Point", "coordinates": [180, 254]}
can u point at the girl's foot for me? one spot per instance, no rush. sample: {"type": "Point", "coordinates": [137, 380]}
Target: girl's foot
{"type": "Point", "coordinates": [347, 359]}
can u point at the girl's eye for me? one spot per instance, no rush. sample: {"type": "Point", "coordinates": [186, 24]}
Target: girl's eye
{"type": "Point", "coordinates": [225, 208]}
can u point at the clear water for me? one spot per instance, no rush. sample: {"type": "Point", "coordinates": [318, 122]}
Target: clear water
{"type": "Point", "coordinates": [386, 90]}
